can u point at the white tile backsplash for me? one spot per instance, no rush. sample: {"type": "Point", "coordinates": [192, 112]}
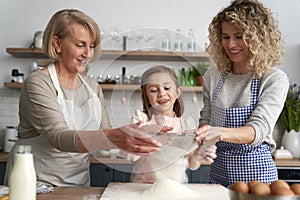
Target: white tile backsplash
{"type": "Point", "coordinates": [9, 108]}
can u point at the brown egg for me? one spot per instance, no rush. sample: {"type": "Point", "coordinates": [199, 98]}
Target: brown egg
{"type": "Point", "coordinates": [251, 184]}
{"type": "Point", "coordinates": [296, 188]}
{"type": "Point", "coordinates": [282, 192]}
{"type": "Point", "coordinates": [275, 185]}
{"type": "Point", "coordinates": [240, 186]}
{"type": "Point", "coordinates": [261, 189]}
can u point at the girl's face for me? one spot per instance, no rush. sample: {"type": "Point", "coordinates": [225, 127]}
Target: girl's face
{"type": "Point", "coordinates": [162, 93]}
{"type": "Point", "coordinates": [76, 49]}
{"type": "Point", "coordinates": [235, 47]}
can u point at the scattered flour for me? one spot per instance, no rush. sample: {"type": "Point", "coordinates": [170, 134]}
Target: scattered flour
{"type": "Point", "coordinates": [168, 189]}
{"type": "Point", "coordinates": [164, 189]}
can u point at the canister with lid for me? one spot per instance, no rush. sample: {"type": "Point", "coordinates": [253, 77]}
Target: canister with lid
{"type": "Point", "coordinates": [11, 136]}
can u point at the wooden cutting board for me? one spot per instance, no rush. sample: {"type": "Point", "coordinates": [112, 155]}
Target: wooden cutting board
{"type": "Point", "coordinates": [135, 191]}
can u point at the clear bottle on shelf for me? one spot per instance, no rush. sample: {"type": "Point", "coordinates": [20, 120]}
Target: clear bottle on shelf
{"type": "Point", "coordinates": [191, 44]}
{"type": "Point", "coordinates": [166, 44]}
{"type": "Point", "coordinates": [178, 42]}
{"type": "Point", "coordinates": [22, 182]}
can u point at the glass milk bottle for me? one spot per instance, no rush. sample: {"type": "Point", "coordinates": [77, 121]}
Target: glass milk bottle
{"type": "Point", "coordinates": [22, 182]}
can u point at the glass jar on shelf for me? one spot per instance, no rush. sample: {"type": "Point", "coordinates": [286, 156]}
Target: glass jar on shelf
{"type": "Point", "coordinates": [100, 79]}
{"type": "Point", "coordinates": [166, 44]}
{"type": "Point", "coordinates": [191, 44]}
{"type": "Point", "coordinates": [178, 42]}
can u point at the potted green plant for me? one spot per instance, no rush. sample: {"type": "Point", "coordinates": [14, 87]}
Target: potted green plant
{"type": "Point", "coordinates": [290, 116]}
{"type": "Point", "coordinates": [199, 70]}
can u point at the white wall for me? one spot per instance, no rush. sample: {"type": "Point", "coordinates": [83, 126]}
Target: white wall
{"type": "Point", "coordinates": [20, 19]}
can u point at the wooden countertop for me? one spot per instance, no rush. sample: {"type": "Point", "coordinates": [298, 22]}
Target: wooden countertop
{"type": "Point", "coordinates": [93, 160]}
{"type": "Point", "coordinates": [104, 160]}
{"type": "Point", "coordinates": [72, 193]}
{"type": "Point", "coordinates": [287, 163]}
{"type": "Point", "coordinates": [108, 160]}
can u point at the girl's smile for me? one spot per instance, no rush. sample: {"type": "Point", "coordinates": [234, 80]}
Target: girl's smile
{"type": "Point", "coordinates": [162, 93]}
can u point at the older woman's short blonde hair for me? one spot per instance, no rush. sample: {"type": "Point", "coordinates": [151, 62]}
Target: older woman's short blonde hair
{"type": "Point", "coordinates": [260, 34]}
{"type": "Point", "coordinates": [59, 25]}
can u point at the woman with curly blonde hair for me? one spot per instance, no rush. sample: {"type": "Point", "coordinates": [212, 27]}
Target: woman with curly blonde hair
{"type": "Point", "coordinates": [244, 94]}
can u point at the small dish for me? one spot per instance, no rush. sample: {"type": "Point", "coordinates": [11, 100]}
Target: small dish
{"type": "Point", "coordinates": [282, 154]}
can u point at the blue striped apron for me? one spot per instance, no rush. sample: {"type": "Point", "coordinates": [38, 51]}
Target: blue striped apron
{"type": "Point", "coordinates": [239, 162]}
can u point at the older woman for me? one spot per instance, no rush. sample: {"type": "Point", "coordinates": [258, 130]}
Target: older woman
{"type": "Point", "coordinates": [62, 115]}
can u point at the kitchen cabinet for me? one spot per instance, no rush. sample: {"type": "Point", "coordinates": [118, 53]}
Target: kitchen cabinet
{"type": "Point", "coordinates": [2, 172]}
{"type": "Point", "coordinates": [289, 174]}
{"type": "Point", "coordinates": [201, 175]}
{"type": "Point", "coordinates": [122, 172]}
{"type": "Point", "coordinates": [101, 174]}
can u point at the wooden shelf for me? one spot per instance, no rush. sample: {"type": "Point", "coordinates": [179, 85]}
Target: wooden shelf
{"type": "Point", "coordinates": [14, 85]}
{"type": "Point", "coordinates": [120, 55]}
{"type": "Point", "coordinates": [116, 87]}
{"type": "Point", "coordinates": [111, 87]}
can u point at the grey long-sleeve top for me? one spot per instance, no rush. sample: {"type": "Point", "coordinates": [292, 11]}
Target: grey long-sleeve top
{"type": "Point", "coordinates": [236, 92]}
{"type": "Point", "coordinates": [40, 113]}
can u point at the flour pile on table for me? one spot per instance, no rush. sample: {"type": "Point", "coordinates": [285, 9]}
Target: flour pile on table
{"type": "Point", "coordinates": [168, 189]}
{"type": "Point", "coordinates": [164, 189]}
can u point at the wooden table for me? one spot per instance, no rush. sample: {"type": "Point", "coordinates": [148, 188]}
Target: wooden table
{"type": "Point", "coordinates": [73, 193]}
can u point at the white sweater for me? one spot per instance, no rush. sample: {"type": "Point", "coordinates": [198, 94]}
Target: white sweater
{"type": "Point", "coordinates": [236, 92]}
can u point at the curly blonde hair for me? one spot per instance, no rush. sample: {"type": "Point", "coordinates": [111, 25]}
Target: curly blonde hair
{"type": "Point", "coordinates": [260, 34]}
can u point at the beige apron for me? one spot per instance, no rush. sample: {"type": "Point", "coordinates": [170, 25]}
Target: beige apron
{"type": "Point", "coordinates": [63, 168]}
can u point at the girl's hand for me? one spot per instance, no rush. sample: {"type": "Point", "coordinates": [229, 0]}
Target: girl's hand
{"type": "Point", "coordinates": [202, 154]}
{"type": "Point", "coordinates": [208, 133]}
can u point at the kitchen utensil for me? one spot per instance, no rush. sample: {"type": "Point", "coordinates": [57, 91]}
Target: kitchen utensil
{"type": "Point", "coordinates": [14, 75]}
{"type": "Point", "coordinates": [11, 136]}
{"type": "Point", "coordinates": [175, 146]}
{"type": "Point", "coordinates": [38, 39]}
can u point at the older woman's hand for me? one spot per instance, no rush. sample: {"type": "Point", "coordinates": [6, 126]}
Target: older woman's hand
{"type": "Point", "coordinates": [136, 139]}
{"type": "Point", "coordinates": [131, 138]}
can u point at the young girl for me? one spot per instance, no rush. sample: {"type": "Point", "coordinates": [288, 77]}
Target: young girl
{"type": "Point", "coordinates": [162, 105]}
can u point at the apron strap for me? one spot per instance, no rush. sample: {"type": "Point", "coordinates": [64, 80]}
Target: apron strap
{"type": "Point", "coordinates": [53, 76]}
{"type": "Point", "coordinates": [254, 91]}
{"type": "Point", "coordinates": [91, 91]}
{"type": "Point", "coordinates": [219, 86]}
